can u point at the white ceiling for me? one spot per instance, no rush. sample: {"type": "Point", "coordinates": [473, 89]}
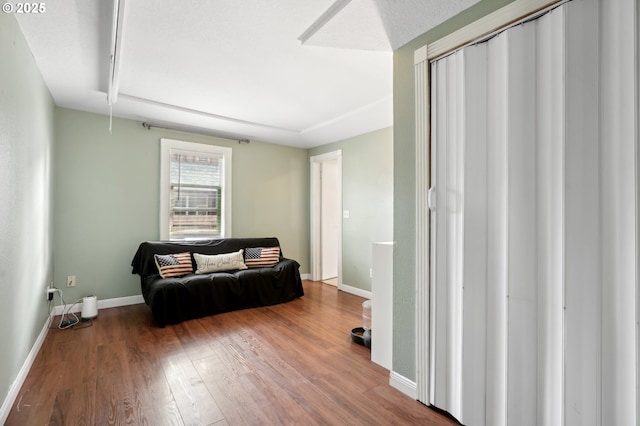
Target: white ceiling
{"type": "Point", "coordinates": [234, 68]}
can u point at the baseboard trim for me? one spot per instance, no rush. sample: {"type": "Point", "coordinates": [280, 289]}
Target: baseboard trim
{"type": "Point", "coordinates": [24, 371]}
{"type": "Point", "coordinates": [355, 290]}
{"type": "Point", "coordinates": [120, 301]}
{"type": "Point", "coordinates": [305, 276]}
{"type": "Point", "coordinates": [22, 374]}
{"type": "Point", "coordinates": [102, 304]}
{"type": "Point", "coordinates": [404, 385]}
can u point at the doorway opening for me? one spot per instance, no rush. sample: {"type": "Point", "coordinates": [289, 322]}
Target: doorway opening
{"type": "Point", "coordinates": [326, 218]}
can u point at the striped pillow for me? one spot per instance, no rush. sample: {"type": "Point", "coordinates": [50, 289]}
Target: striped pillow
{"type": "Point", "coordinates": [173, 265]}
{"type": "Point", "coordinates": [261, 257]}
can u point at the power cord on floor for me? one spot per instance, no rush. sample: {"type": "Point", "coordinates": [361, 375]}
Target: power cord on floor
{"type": "Point", "coordinates": [67, 319]}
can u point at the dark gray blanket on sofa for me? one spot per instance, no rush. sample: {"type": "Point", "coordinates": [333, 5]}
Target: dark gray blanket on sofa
{"type": "Point", "coordinates": [177, 299]}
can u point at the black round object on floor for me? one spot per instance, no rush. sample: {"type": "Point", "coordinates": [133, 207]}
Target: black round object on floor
{"type": "Point", "coordinates": [356, 335]}
{"type": "Point", "coordinates": [361, 336]}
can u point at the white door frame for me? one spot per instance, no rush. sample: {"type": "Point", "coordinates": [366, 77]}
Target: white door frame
{"type": "Point", "coordinates": [316, 258]}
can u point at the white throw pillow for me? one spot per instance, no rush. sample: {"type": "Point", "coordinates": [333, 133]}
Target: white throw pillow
{"type": "Point", "coordinates": [219, 262]}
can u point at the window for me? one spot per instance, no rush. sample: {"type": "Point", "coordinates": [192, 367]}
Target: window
{"type": "Point", "coordinates": [195, 190]}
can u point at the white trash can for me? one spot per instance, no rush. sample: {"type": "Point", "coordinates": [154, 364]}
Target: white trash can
{"type": "Point", "coordinates": [366, 314]}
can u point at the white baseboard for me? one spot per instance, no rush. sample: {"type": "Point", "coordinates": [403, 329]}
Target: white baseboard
{"type": "Point", "coordinates": [404, 385]}
{"type": "Point", "coordinates": [102, 304]}
{"type": "Point", "coordinates": [22, 374]}
{"type": "Point", "coordinates": [120, 301]}
{"type": "Point", "coordinates": [355, 290]}
{"type": "Point", "coordinates": [305, 276]}
{"type": "Point", "coordinates": [26, 366]}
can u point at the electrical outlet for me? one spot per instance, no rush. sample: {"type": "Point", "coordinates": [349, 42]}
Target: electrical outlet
{"type": "Point", "coordinates": [71, 281]}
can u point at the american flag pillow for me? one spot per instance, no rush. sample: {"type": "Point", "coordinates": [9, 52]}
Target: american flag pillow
{"type": "Point", "coordinates": [261, 257]}
{"type": "Point", "coordinates": [173, 265]}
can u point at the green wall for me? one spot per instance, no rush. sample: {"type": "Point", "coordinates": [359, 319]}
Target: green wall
{"type": "Point", "coordinates": [26, 143]}
{"type": "Point", "coordinates": [367, 192]}
{"type": "Point", "coordinates": [107, 198]}
{"type": "Point", "coordinates": [404, 184]}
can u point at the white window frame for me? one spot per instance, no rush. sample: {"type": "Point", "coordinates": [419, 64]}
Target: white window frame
{"type": "Point", "coordinates": [166, 146]}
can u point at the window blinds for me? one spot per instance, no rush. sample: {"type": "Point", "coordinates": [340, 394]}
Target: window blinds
{"type": "Point", "coordinates": [196, 190]}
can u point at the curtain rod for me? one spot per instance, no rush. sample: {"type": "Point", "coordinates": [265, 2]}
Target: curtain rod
{"type": "Point", "coordinates": [197, 130]}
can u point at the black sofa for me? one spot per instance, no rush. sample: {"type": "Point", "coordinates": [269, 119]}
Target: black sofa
{"type": "Point", "coordinates": [190, 296]}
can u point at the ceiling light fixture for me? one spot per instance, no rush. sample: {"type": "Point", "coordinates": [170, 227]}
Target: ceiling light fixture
{"type": "Point", "coordinates": [323, 19]}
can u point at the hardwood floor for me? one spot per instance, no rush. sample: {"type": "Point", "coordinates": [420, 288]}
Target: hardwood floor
{"type": "Point", "coordinates": [292, 363]}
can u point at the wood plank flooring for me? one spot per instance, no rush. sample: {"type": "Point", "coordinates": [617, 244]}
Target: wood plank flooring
{"type": "Point", "coordinates": [291, 364]}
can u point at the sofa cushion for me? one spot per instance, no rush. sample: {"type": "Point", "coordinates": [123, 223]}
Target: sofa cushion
{"type": "Point", "coordinates": [261, 257]}
{"type": "Point", "coordinates": [173, 265]}
{"type": "Point", "coordinates": [219, 262]}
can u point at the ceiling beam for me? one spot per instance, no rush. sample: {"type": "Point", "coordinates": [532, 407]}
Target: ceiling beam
{"type": "Point", "coordinates": [117, 34]}
{"type": "Point", "coordinates": [323, 19]}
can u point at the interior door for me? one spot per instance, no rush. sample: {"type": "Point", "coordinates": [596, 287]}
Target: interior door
{"type": "Point", "coordinates": [329, 218]}
{"type": "Point", "coordinates": [326, 217]}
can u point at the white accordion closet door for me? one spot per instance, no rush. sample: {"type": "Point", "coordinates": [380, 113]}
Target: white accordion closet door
{"type": "Point", "coordinates": [535, 236]}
